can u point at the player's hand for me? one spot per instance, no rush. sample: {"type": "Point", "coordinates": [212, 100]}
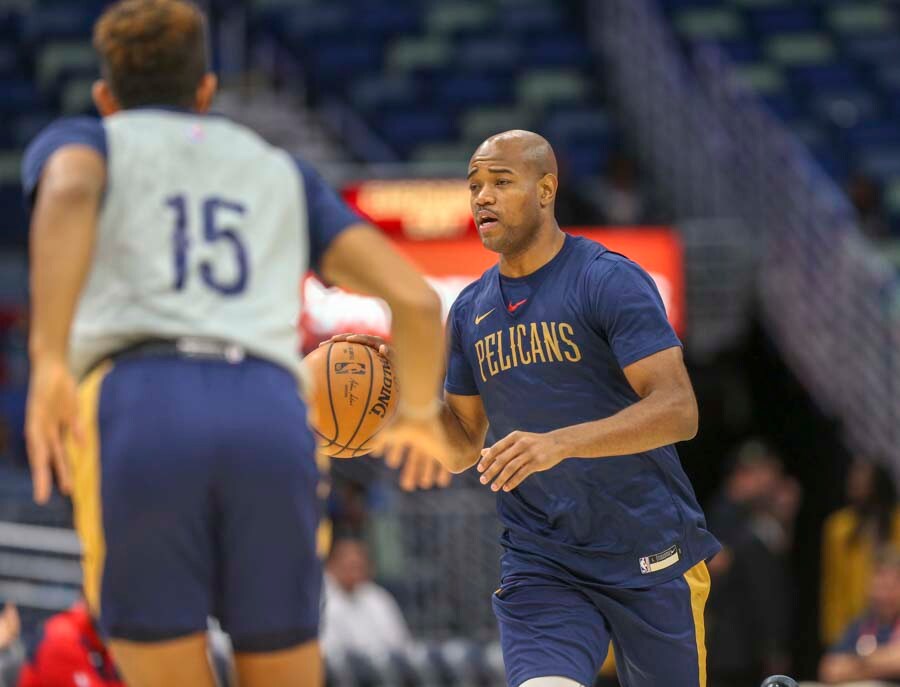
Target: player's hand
{"type": "Point", "coordinates": [376, 342]}
{"type": "Point", "coordinates": [518, 455]}
{"type": "Point", "coordinates": [419, 446]}
{"type": "Point", "coordinates": [51, 416]}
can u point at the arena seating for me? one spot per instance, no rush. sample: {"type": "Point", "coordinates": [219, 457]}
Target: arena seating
{"type": "Point", "coordinates": [830, 69]}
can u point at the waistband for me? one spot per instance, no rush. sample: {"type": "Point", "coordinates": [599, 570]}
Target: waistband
{"type": "Point", "coordinates": [192, 348]}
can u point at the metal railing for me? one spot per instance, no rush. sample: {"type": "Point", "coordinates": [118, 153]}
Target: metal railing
{"type": "Point", "coordinates": [828, 299]}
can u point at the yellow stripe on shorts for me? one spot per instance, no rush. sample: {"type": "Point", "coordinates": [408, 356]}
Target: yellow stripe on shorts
{"type": "Point", "coordinates": [697, 579]}
{"type": "Point", "coordinates": [85, 468]}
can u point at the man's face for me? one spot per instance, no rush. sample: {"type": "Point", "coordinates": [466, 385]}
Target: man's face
{"type": "Point", "coordinates": [504, 197]}
{"type": "Point", "coordinates": [349, 564]}
{"type": "Point", "coordinates": [884, 591]}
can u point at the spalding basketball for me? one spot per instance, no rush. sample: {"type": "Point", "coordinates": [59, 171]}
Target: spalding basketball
{"type": "Point", "coordinates": [354, 395]}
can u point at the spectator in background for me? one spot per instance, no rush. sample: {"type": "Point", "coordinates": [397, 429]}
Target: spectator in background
{"type": "Point", "coordinates": [870, 646]}
{"type": "Point", "coordinates": [866, 195]}
{"type": "Point", "coordinates": [359, 617]}
{"type": "Point", "coordinates": [621, 200]}
{"type": "Point", "coordinates": [850, 538]}
{"type": "Point", "coordinates": [70, 654]}
{"type": "Point", "coordinates": [9, 626]}
{"type": "Point", "coordinates": [749, 612]}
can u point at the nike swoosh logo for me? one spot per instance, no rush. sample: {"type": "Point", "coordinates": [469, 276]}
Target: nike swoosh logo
{"type": "Point", "coordinates": [515, 306]}
{"type": "Point", "coordinates": [479, 318]}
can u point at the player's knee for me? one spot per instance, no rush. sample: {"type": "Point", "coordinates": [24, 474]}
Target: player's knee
{"type": "Point", "coordinates": [551, 681]}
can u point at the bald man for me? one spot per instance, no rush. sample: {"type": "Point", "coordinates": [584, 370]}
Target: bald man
{"type": "Point", "coordinates": [563, 364]}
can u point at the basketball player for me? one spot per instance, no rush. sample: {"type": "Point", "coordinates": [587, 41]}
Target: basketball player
{"type": "Point", "coordinates": [166, 250]}
{"type": "Point", "coordinates": [563, 362]}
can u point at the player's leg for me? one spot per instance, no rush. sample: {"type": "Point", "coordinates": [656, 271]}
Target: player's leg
{"type": "Point", "coordinates": [549, 631]}
{"type": "Point", "coordinates": [658, 632]}
{"type": "Point", "coordinates": [282, 667]}
{"type": "Point", "coordinates": [182, 661]}
{"type": "Point", "coordinates": [267, 489]}
{"type": "Point", "coordinates": [142, 513]}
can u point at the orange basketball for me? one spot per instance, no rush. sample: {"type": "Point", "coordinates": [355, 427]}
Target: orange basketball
{"type": "Point", "coordinates": [354, 396]}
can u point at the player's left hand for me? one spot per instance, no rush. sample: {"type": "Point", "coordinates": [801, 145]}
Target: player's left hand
{"type": "Point", "coordinates": [519, 454]}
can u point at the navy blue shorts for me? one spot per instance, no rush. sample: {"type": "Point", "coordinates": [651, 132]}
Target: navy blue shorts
{"type": "Point", "coordinates": [195, 496]}
{"type": "Point", "coordinates": [548, 627]}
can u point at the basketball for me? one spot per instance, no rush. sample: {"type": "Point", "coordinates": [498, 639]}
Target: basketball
{"type": "Point", "coordinates": [354, 395]}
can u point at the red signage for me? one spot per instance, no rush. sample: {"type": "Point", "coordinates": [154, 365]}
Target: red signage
{"type": "Point", "coordinates": [450, 265]}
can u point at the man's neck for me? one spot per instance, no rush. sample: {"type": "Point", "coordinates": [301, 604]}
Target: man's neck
{"type": "Point", "coordinates": [547, 244]}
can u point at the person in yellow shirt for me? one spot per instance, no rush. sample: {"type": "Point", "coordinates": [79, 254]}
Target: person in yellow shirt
{"type": "Point", "coordinates": [850, 538]}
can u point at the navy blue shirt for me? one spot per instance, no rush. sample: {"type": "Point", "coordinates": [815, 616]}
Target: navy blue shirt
{"type": "Point", "coordinates": [328, 215]}
{"type": "Point", "coordinates": [557, 360]}
{"type": "Point", "coordinates": [877, 632]}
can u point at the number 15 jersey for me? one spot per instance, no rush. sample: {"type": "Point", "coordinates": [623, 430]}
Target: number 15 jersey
{"type": "Point", "coordinates": [205, 230]}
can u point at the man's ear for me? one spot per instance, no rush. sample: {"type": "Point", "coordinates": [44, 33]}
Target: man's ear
{"type": "Point", "coordinates": [104, 99]}
{"type": "Point", "coordinates": [547, 187]}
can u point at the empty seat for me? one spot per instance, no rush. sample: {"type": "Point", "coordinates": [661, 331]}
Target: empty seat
{"type": "Point", "coordinates": [452, 17]}
{"type": "Point", "coordinates": [860, 18]}
{"type": "Point", "coordinates": [556, 51]}
{"type": "Point", "coordinates": [824, 76]}
{"type": "Point", "coordinates": [800, 48]}
{"type": "Point", "coordinates": [531, 17]}
{"type": "Point", "coordinates": [708, 22]}
{"type": "Point", "coordinates": [405, 131]}
{"type": "Point", "coordinates": [540, 87]}
{"type": "Point", "coordinates": [882, 164]}
{"type": "Point", "coordinates": [846, 107]}
{"type": "Point", "coordinates": [491, 53]}
{"type": "Point", "coordinates": [579, 126]}
{"type": "Point", "coordinates": [408, 54]}
{"type": "Point", "coordinates": [477, 125]}
{"type": "Point", "coordinates": [463, 90]}
{"type": "Point", "coordinates": [784, 19]}
{"type": "Point", "coordinates": [764, 78]}
{"type": "Point", "coordinates": [880, 50]}
{"type": "Point", "coordinates": [76, 97]}
{"type": "Point", "coordinates": [442, 153]}
{"type": "Point", "coordinates": [72, 56]}
{"type": "Point", "coordinates": [383, 91]}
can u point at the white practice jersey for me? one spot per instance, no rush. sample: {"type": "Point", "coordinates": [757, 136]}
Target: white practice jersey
{"type": "Point", "coordinates": [204, 232]}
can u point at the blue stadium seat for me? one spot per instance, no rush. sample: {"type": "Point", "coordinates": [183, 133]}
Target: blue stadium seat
{"type": "Point", "coordinates": [845, 107]}
{"type": "Point", "coordinates": [881, 163]}
{"type": "Point", "coordinates": [18, 95]}
{"type": "Point", "coordinates": [407, 130]}
{"type": "Point", "coordinates": [488, 53]}
{"type": "Point", "coordinates": [316, 20]}
{"type": "Point", "coordinates": [466, 90]}
{"type": "Point", "coordinates": [384, 18]}
{"type": "Point", "coordinates": [538, 18]}
{"type": "Point", "coordinates": [379, 92]}
{"type": "Point", "coordinates": [336, 59]}
{"type": "Point", "coordinates": [580, 126]}
{"type": "Point", "coordinates": [874, 134]}
{"type": "Point", "coordinates": [559, 50]}
{"type": "Point", "coordinates": [824, 76]}
{"type": "Point", "coordinates": [583, 162]}
{"type": "Point", "coordinates": [741, 50]}
{"type": "Point", "coordinates": [783, 19]}
{"type": "Point", "coordinates": [72, 20]}
{"type": "Point", "coordinates": [875, 49]}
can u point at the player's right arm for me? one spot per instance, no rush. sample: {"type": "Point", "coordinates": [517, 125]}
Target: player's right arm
{"type": "Point", "coordinates": [360, 258]}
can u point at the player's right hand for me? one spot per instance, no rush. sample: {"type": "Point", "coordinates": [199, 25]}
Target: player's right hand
{"type": "Point", "coordinates": [51, 416]}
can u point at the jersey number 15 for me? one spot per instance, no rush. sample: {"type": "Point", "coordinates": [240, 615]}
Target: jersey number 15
{"type": "Point", "coordinates": [212, 209]}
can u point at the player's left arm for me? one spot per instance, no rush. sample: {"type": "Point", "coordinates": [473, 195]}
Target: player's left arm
{"type": "Point", "coordinates": [63, 228]}
{"type": "Point", "coordinates": [666, 413]}
{"type": "Point", "coordinates": [881, 664]}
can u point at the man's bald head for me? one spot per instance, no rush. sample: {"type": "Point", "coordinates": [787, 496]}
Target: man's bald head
{"type": "Point", "coordinates": [526, 147]}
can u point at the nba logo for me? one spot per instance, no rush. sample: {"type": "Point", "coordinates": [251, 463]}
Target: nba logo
{"type": "Point", "coordinates": [645, 565]}
{"type": "Point", "coordinates": [349, 368]}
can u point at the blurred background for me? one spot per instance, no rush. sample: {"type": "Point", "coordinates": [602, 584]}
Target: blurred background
{"type": "Point", "coordinates": [746, 152]}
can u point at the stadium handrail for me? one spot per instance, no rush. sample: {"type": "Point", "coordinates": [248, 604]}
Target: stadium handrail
{"type": "Point", "coordinates": [828, 298]}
